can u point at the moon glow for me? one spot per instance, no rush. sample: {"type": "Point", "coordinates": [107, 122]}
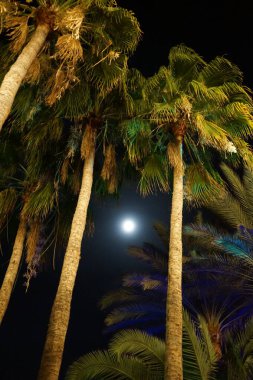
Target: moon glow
{"type": "Point", "coordinates": [128, 226]}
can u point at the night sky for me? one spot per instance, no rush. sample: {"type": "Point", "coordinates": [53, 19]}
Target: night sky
{"type": "Point", "coordinates": [209, 27]}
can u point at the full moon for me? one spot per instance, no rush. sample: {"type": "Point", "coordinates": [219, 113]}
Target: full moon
{"type": "Point", "coordinates": [128, 226]}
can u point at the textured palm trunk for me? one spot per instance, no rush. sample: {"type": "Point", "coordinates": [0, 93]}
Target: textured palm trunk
{"type": "Point", "coordinates": [173, 354]}
{"type": "Point", "coordinates": [59, 319]}
{"type": "Point", "coordinates": [12, 270]}
{"type": "Point", "coordinates": [18, 71]}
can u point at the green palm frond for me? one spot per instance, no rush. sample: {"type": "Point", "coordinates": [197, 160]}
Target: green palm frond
{"type": "Point", "coordinates": [201, 185]}
{"type": "Point", "coordinates": [153, 256]}
{"type": "Point", "coordinates": [136, 137]}
{"type": "Point", "coordinates": [119, 314]}
{"type": "Point", "coordinates": [211, 133]}
{"type": "Point", "coordinates": [104, 365]}
{"type": "Point", "coordinates": [76, 101]}
{"type": "Point", "coordinates": [40, 202]}
{"type": "Point", "coordinates": [219, 71]}
{"type": "Point", "coordinates": [185, 63]}
{"type": "Point", "coordinates": [198, 355]}
{"type": "Point", "coordinates": [231, 211]}
{"type": "Point", "coordinates": [239, 352]}
{"type": "Point", "coordinates": [118, 296]}
{"type": "Point", "coordinates": [154, 175]}
{"type": "Point", "coordinates": [148, 349]}
{"type": "Point", "coordinates": [123, 19]}
{"type": "Point", "coordinates": [234, 204]}
{"type": "Point", "coordinates": [50, 129]}
{"type": "Point", "coordinates": [202, 93]}
{"type": "Point", "coordinates": [8, 199]}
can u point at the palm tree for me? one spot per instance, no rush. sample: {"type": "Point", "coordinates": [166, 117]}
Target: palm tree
{"type": "Point", "coordinates": [199, 108]}
{"type": "Point", "coordinates": [31, 202]}
{"type": "Point", "coordinates": [98, 120]}
{"type": "Point", "coordinates": [76, 26]}
{"type": "Point", "coordinates": [133, 354]}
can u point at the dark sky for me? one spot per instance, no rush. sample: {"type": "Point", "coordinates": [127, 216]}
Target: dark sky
{"type": "Point", "coordinates": [211, 28]}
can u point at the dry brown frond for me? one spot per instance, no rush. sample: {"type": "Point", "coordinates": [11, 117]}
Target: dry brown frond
{"type": "Point", "coordinates": [32, 241]}
{"type": "Point", "coordinates": [88, 142]}
{"type": "Point", "coordinates": [112, 184]}
{"type": "Point", "coordinates": [111, 56]}
{"type": "Point", "coordinates": [71, 21]}
{"type": "Point", "coordinates": [173, 154]}
{"type": "Point", "coordinates": [109, 165]}
{"type": "Point", "coordinates": [76, 182]}
{"type": "Point", "coordinates": [69, 50]}
{"type": "Point", "coordinates": [33, 73]}
{"type": "Point", "coordinates": [109, 170]}
{"type": "Point", "coordinates": [3, 7]}
{"type": "Point", "coordinates": [89, 228]}
{"type": "Point", "coordinates": [64, 170]}
{"type": "Point", "coordinates": [18, 31]}
{"type": "Point", "coordinates": [62, 80]}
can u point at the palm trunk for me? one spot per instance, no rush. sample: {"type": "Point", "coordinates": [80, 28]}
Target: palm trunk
{"type": "Point", "coordinates": [18, 71]}
{"type": "Point", "coordinates": [59, 319]}
{"type": "Point", "coordinates": [12, 270]}
{"type": "Point", "coordinates": [173, 355]}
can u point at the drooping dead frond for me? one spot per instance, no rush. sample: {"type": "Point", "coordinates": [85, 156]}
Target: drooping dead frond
{"type": "Point", "coordinates": [173, 153]}
{"type": "Point", "coordinates": [109, 162]}
{"type": "Point", "coordinates": [59, 84]}
{"type": "Point", "coordinates": [72, 21]}
{"type": "Point", "coordinates": [69, 50]}
{"type": "Point", "coordinates": [64, 170]}
{"type": "Point", "coordinates": [3, 7]}
{"type": "Point", "coordinates": [88, 142]}
{"type": "Point", "coordinates": [17, 31]}
{"type": "Point", "coordinates": [111, 56]}
{"type": "Point", "coordinates": [112, 184]}
{"type": "Point", "coordinates": [33, 73]}
{"type": "Point", "coordinates": [76, 181]}
{"type": "Point", "coordinates": [109, 170]}
{"type": "Point", "coordinates": [34, 245]}
{"type": "Point", "coordinates": [32, 241]}
{"type": "Point", "coordinates": [89, 228]}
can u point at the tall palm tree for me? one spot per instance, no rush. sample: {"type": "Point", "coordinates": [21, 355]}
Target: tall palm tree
{"type": "Point", "coordinates": [75, 26]}
{"type": "Point", "coordinates": [198, 109]}
{"type": "Point", "coordinates": [97, 121]}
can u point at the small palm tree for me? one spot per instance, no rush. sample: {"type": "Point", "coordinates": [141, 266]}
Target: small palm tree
{"type": "Point", "coordinates": [133, 354]}
{"type": "Point", "coordinates": [31, 202]}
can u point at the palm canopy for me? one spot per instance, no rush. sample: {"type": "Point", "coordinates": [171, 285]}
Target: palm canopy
{"type": "Point", "coordinates": [91, 34]}
{"type": "Point", "coordinates": [204, 105]}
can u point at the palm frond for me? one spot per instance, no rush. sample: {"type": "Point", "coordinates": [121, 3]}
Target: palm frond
{"type": "Point", "coordinates": [105, 365]}
{"type": "Point", "coordinates": [148, 349]}
{"type": "Point", "coordinates": [154, 175]}
{"type": "Point", "coordinates": [40, 202]}
{"type": "Point", "coordinates": [198, 363]}
{"type": "Point", "coordinates": [219, 71]}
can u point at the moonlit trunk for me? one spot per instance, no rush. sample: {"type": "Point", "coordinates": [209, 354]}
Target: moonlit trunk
{"type": "Point", "coordinates": [173, 354]}
{"type": "Point", "coordinates": [59, 319]}
{"type": "Point", "coordinates": [18, 71]}
{"type": "Point", "coordinates": [12, 270]}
